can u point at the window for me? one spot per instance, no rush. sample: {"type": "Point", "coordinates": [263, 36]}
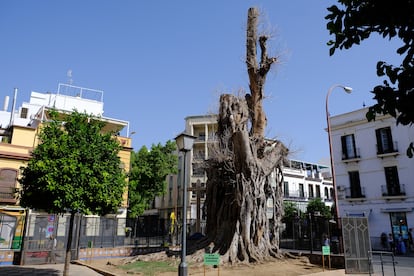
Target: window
{"type": "Point", "coordinates": [198, 169]}
{"type": "Point", "coordinates": [326, 193]}
{"type": "Point", "coordinates": [170, 188]}
{"type": "Point", "coordinates": [399, 225]}
{"type": "Point", "coordinates": [355, 185]}
{"type": "Point", "coordinates": [286, 189]}
{"type": "Point", "coordinates": [393, 184]}
{"type": "Point", "coordinates": [201, 136]}
{"type": "Point", "coordinates": [193, 190]}
{"type": "Point", "coordinates": [7, 185]}
{"type": "Point", "coordinates": [310, 188]}
{"type": "Point", "coordinates": [301, 191]}
{"type": "Point", "coordinates": [348, 147]}
{"type": "Point", "coordinates": [23, 112]}
{"type": "Point", "coordinates": [170, 193]}
{"type": "Point", "coordinates": [318, 191]}
{"type": "Point", "coordinates": [384, 140]}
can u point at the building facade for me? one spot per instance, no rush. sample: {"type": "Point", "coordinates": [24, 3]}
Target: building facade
{"type": "Point", "coordinates": [18, 137]}
{"type": "Point", "coordinates": [304, 181]}
{"type": "Point", "coordinates": [373, 172]}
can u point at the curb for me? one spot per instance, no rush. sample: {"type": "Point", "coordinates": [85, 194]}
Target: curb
{"type": "Point", "coordinates": [100, 271]}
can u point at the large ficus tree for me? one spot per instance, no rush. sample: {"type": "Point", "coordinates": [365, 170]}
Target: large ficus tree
{"type": "Point", "coordinates": [75, 168]}
{"type": "Point", "coordinates": [244, 202]}
{"type": "Point", "coordinates": [355, 21]}
{"type": "Point", "coordinates": [147, 179]}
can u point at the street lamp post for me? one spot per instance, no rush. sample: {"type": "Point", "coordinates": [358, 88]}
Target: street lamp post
{"type": "Point", "coordinates": [184, 144]}
{"type": "Point", "coordinates": [348, 90]}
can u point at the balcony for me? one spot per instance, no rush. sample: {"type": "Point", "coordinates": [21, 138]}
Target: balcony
{"type": "Point", "coordinates": [314, 176]}
{"type": "Point", "coordinates": [199, 156]}
{"type": "Point", "coordinates": [390, 151]}
{"type": "Point", "coordinates": [7, 196]}
{"type": "Point", "coordinates": [353, 157]}
{"type": "Point", "coordinates": [295, 195]}
{"type": "Point", "coordinates": [355, 194]}
{"type": "Point", "coordinates": [201, 138]}
{"type": "Point", "coordinates": [393, 192]}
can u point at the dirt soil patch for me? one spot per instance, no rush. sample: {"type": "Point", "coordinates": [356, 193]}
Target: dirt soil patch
{"type": "Point", "coordinates": [288, 266]}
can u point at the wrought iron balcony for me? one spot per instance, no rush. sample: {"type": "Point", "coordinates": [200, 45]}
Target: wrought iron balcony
{"type": "Point", "coordinates": [346, 156]}
{"type": "Point", "coordinates": [295, 194]}
{"type": "Point", "coordinates": [392, 149]}
{"type": "Point", "coordinates": [355, 193]}
{"type": "Point", "coordinates": [396, 190]}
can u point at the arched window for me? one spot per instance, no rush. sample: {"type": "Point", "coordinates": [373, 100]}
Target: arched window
{"type": "Point", "coordinates": [8, 178]}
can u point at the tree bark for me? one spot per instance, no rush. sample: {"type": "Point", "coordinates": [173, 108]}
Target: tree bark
{"type": "Point", "coordinates": [244, 170]}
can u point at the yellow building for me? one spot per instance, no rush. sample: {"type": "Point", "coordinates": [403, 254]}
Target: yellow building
{"type": "Point", "coordinates": [18, 137]}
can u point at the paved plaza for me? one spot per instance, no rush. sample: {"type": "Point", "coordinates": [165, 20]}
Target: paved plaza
{"type": "Point", "coordinates": [404, 267]}
{"type": "Point", "coordinates": [47, 270]}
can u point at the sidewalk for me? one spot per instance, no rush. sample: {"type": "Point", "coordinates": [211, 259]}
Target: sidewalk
{"type": "Point", "coordinates": [47, 270]}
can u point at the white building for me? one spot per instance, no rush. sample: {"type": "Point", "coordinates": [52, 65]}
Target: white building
{"type": "Point", "coordinates": [373, 172]}
{"type": "Point", "coordinates": [304, 181]}
{"type": "Point", "coordinates": [66, 99]}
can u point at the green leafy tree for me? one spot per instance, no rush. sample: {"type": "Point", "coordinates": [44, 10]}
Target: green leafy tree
{"type": "Point", "coordinates": [147, 179]}
{"type": "Point", "coordinates": [75, 168]}
{"type": "Point", "coordinates": [355, 21]}
{"type": "Point", "coordinates": [317, 205]}
{"type": "Point", "coordinates": [290, 210]}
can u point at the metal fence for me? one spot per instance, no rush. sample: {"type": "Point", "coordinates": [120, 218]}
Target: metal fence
{"type": "Point", "coordinates": [46, 235]}
{"type": "Point", "coordinates": [311, 233]}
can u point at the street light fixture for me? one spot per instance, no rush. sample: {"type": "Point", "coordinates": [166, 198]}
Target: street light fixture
{"type": "Point", "coordinates": [184, 144]}
{"type": "Point", "coordinates": [348, 90]}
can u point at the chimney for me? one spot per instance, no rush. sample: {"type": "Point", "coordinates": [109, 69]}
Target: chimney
{"type": "Point", "coordinates": [13, 108]}
{"type": "Point", "coordinates": [6, 103]}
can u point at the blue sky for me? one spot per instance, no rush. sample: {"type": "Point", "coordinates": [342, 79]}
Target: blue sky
{"type": "Point", "coordinates": [160, 61]}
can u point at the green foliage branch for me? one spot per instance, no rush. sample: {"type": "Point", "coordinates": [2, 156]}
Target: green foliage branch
{"type": "Point", "coordinates": [317, 205]}
{"type": "Point", "coordinates": [354, 22]}
{"type": "Point", "coordinates": [147, 178]}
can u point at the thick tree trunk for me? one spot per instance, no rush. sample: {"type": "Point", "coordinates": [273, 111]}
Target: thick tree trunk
{"type": "Point", "coordinates": [244, 169]}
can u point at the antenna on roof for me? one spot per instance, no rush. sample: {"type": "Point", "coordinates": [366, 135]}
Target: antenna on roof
{"type": "Point", "coordinates": [69, 75]}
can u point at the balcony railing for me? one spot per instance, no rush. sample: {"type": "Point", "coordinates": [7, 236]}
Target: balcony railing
{"type": "Point", "coordinates": [390, 150]}
{"type": "Point", "coordinates": [7, 197]}
{"type": "Point", "coordinates": [355, 193]}
{"type": "Point", "coordinates": [199, 156]}
{"type": "Point", "coordinates": [397, 190]}
{"type": "Point", "coordinates": [353, 155]}
{"type": "Point", "coordinates": [295, 194]}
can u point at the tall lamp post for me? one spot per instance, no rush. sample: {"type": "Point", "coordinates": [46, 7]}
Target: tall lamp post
{"type": "Point", "coordinates": [184, 144]}
{"type": "Point", "coordinates": [348, 90]}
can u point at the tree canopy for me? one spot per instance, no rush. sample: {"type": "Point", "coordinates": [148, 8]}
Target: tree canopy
{"type": "Point", "coordinates": [75, 166]}
{"type": "Point", "coordinates": [290, 210]}
{"type": "Point", "coordinates": [75, 169]}
{"type": "Point", "coordinates": [317, 205]}
{"type": "Point", "coordinates": [355, 22]}
{"type": "Point", "coordinates": [149, 169]}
